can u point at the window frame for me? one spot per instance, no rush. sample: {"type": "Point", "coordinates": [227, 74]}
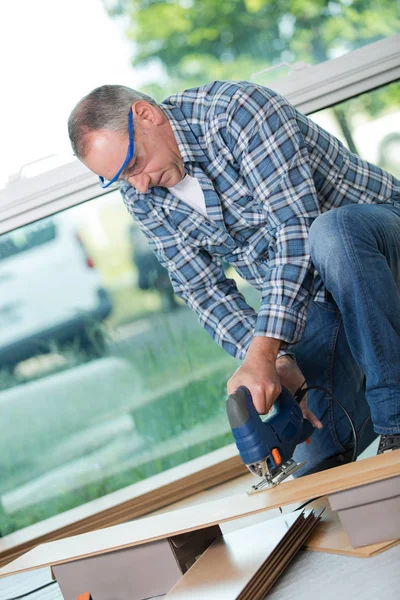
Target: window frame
{"type": "Point", "coordinates": [312, 89]}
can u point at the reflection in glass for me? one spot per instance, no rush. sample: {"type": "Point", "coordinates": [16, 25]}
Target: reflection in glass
{"type": "Point", "coordinates": [92, 400]}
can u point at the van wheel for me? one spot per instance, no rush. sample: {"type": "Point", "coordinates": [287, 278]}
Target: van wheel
{"type": "Point", "coordinates": [93, 343]}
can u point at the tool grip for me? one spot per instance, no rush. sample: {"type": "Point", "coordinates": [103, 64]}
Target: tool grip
{"type": "Point", "coordinates": [247, 426]}
{"type": "Point", "coordinates": [240, 408]}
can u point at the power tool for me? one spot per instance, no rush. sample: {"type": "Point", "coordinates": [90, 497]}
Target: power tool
{"type": "Point", "coordinates": [266, 446]}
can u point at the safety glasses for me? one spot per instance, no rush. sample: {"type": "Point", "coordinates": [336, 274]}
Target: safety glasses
{"type": "Point", "coordinates": [105, 183]}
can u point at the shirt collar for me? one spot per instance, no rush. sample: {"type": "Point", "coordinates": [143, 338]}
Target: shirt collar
{"type": "Point", "coordinates": [188, 144]}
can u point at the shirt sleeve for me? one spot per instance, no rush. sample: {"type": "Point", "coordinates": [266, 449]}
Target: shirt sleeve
{"type": "Point", "coordinates": [264, 137]}
{"type": "Point", "coordinates": [199, 279]}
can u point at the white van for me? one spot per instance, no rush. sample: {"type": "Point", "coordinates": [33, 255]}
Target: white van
{"type": "Point", "coordinates": [50, 292]}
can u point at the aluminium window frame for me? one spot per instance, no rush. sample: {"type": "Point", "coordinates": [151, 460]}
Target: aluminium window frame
{"type": "Point", "coordinates": [312, 89]}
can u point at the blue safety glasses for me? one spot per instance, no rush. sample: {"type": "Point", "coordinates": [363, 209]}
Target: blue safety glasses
{"type": "Point", "coordinates": [105, 183]}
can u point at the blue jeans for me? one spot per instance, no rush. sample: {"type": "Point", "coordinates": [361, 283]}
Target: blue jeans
{"type": "Point", "coordinates": [351, 343]}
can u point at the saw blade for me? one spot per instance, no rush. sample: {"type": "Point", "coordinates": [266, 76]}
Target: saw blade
{"type": "Point", "coordinates": [285, 470]}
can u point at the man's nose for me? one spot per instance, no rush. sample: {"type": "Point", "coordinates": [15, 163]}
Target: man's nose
{"type": "Point", "coordinates": [141, 182]}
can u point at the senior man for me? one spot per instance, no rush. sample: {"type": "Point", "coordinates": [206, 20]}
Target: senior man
{"type": "Point", "coordinates": [232, 171]}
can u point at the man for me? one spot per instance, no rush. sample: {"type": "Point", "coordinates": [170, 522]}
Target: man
{"type": "Point", "coordinates": [232, 171]}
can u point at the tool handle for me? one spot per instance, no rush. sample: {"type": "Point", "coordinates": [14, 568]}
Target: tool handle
{"type": "Point", "coordinates": [247, 427]}
{"type": "Point", "coordinates": [240, 408]}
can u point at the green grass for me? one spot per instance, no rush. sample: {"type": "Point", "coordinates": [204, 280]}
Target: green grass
{"type": "Point", "coordinates": [178, 352]}
{"type": "Point", "coordinates": [176, 347]}
{"type": "Point", "coordinates": [181, 411]}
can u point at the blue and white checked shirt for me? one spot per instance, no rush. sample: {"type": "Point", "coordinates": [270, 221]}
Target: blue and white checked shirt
{"type": "Point", "coordinates": [267, 172]}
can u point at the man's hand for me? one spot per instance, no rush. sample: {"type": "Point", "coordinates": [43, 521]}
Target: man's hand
{"type": "Point", "coordinates": [258, 373]}
{"type": "Point", "coordinates": [262, 381]}
{"type": "Point", "coordinates": [263, 375]}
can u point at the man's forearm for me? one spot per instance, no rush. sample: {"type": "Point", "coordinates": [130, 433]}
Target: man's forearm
{"type": "Point", "coordinates": [264, 347]}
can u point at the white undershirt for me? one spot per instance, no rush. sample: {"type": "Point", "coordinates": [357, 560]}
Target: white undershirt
{"type": "Point", "coordinates": [189, 191]}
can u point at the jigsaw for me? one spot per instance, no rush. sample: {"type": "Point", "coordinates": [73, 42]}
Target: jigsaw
{"type": "Point", "coordinates": [266, 445]}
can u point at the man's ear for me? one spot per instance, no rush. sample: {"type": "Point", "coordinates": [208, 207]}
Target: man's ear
{"type": "Point", "coordinates": [146, 113]}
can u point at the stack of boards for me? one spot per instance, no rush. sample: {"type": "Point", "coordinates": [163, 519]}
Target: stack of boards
{"type": "Point", "coordinates": [244, 564]}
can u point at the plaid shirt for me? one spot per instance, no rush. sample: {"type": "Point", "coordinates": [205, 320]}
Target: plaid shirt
{"type": "Point", "coordinates": [267, 172]}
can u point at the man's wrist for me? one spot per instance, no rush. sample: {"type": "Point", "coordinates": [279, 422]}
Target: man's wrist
{"type": "Point", "coordinates": [286, 355]}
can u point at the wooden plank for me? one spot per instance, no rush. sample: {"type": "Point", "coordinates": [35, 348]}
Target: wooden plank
{"type": "Point", "coordinates": [331, 537]}
{"type": "Point", "coordinates": [212, 513]}
{"type": "Point", "coordinates": [129, 503]}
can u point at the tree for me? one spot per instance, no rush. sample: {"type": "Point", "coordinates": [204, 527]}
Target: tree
{"type": "Point", "coordinates": [194, 41]}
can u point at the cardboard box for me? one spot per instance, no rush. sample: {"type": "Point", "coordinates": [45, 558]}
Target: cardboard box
{"type": "Point", "coordinates": [137, 572]}
{"type": "Point", "coordinates": [370, 513]}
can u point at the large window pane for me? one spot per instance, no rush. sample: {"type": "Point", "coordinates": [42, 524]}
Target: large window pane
{"type": "Point", "coordinates": [186, 43]}
{"type": "Point", "coordinates": [106, 377]}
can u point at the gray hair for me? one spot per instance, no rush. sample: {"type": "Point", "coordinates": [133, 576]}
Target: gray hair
{"type": "Point", "coordinates": [106, 107]}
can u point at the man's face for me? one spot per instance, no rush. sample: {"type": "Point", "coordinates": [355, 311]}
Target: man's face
{"type": "Point", "coordinates": [156, 160]}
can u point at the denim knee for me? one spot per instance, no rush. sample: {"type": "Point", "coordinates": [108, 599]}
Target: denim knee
{"type": "Point", "coordinates": [326, 241]}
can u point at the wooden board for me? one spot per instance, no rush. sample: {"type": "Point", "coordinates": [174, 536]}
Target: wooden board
{"type": "Point", "coordinates": [331, 537]}
{"type": "Point", "coordinates": [244, 564]}
{"type": "Point", "coordinates": [212, 513]}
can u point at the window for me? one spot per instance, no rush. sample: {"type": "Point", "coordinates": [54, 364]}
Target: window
{"type": "Point", "coordinates": [368, 125]}
{"type": "Point", "coordinates": [106, 376]}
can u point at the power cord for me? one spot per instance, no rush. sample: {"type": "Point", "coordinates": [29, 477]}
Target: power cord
{"type": "Point", "coordinates": [32, 591]}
